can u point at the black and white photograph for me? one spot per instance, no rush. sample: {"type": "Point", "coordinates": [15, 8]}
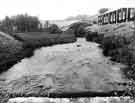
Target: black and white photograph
{"type": "Point", "coordinates": [67, 51]}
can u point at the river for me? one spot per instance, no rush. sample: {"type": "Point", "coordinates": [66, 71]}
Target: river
{"type": "Point", "coordinates": [78, 61]}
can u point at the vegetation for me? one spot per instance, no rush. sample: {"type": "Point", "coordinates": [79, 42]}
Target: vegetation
{"type": "Point", "coordinates": [117, 47]}
{"type": "Point", "coordinates": [20, 23]}
{"type": "Point", "coordinates": [103, 10]}
{"type": "Point", "coordinates": [79, 28]}
{"type": "Point", "coordinates": [12, 50]}
{"type": "Point", "coordinates": [121, 49]}
{"type": "Point", "coordinates": [54, 29]}
{"type": "Point", "coordinates": [4, 95]}
{"type": "Point", "coordinates": [94, 36]}
{"type": "Point", "coordinates": [23, 34]}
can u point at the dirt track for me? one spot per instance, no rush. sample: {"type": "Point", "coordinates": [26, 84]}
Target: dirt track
{"type": "Point", "coordinates": [81, 67]}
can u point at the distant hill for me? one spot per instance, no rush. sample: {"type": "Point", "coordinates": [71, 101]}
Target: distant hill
{"type": "Point", "coordinates": [64, 24]}
{"type": "Point", "coordinates": [82, 17]}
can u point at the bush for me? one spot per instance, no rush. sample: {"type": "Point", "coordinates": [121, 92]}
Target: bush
{"type": "Point", "coordinates": [111, 43]}
{"type": "Point", "coordinates": [117, 48]}
{"type": "Point", "coordinates": [4, 95]}
{"type": "Point", "coordinates": [79, 28]}
{"type": "Point", "coordinates": [94, 36]}
{"type": "Point", "coordinates": [9, 50]}
{"type": "Point", "coordinates": [54, 29]}
{"type": "Point", "coordinates": [121, 49]}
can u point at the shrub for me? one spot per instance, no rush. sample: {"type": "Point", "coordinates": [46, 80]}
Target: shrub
{"type": "Point", "coordinates": [94, 36]}
{"type": "Point", "coordinates": [121, 49]}
{"type": "Point", "coordinates": [79, 28]}
{"type": "Point", "coordinates": [4, 95]}
{"type": "Point", "coordinates": [54, 29]}
{"type": "Point", "coordinates": [9, 50]}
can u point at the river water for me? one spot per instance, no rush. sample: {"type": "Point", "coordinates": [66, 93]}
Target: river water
{"type": "Point", "coordinates": [59, 58]}
{"type": "Point", "coordinates": [84, 57]}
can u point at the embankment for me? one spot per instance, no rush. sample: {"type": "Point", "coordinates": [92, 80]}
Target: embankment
{"type": "Point", "coordinates": [15, 47]}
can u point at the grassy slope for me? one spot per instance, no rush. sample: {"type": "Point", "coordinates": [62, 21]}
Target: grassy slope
{"type": "Point", "coordinates": [36, 39]}
{"type": "Point", "coordinates": [9, 50]}
{"type": "Point", "coordinates": [118, 42]}
{"type": "Point", "coordinates": [13, 49]}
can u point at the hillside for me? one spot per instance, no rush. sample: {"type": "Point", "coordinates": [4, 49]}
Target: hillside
{"type": "Point", "coordinates": [9, 51]}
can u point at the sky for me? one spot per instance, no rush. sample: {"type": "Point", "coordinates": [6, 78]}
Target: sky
{"type": "Point", "coordinates": [58, 9]}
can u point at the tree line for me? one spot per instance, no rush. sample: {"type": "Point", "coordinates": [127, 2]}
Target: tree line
{"type": "Point", "coordinates": [20, 23]}
{"type": "Point", "coordinates": [26, 23]}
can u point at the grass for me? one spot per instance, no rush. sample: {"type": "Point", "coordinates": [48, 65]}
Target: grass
{"type": "Point", "coordinates": [9, 48]}
{"type": "Point", "coordinates": [121, 48]}
{"type": "Point", "coordinates": [4, 95]}
{"type": "Point", "coordinates": [21, 45]}
{"type": "Point", "coordinates": [37, 39]}
{"type": "Point", "coordinates": [118, 47]}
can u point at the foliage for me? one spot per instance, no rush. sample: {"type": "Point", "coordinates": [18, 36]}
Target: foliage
{"type": "Point", "coordinates": [79, 28]}
{"type": "Point", "coordinates": [94, 36]}
{"type": "Point", "coordinates": [103, 10]}
{"type": "Point", "coordinates": [119, 48]}
{"type": "Point", "coordinates": [20, 23]}
{"type": "Point", "coordinates": [114, 42]}
{"type": "Point", "coordinates": [4, 95]}
{"type": "Point", "coordinates": [9, 51]}
{"type": "Point", "coordinates": [95, 22]}
{"type": "Point", "coordinates": [54, 29]}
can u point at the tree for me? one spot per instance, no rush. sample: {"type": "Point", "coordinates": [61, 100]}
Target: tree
{"type": "Point", "coordinates": [7, 25]}
{"type": "Point", "coordinates": [27, 23]}
{"type": "Point", "coordinates": [54, 29]}
{"type": "Point", "coordinates": [79, 28]}
{"type": "Point", "coordinates": [103, 10]}
{"type": "Point", "coordinates": [20, 23]}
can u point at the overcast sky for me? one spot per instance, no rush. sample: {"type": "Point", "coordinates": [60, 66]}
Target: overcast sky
{"type": "Point", "coordinates": [58, 9]}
